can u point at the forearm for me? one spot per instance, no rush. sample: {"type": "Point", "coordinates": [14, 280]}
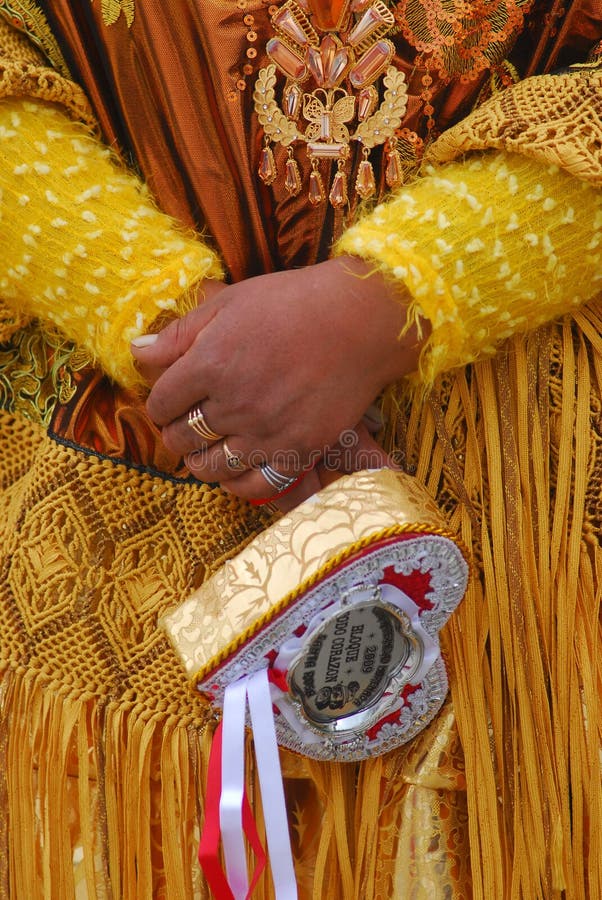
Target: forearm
{"type": "Point", "coordinates": [487, 247]}
{"type": "Point", "coordinates": [82, 246]}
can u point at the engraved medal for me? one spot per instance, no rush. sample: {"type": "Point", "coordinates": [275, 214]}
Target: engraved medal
{"type": "Point", "coordinates": [340, 603]}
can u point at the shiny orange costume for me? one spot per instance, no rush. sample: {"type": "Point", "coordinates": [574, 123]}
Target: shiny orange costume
{"type": "Point", "coordinates": [103, 750]}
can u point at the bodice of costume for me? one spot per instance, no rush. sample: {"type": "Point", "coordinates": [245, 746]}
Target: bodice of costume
{"type": "Point", "coordinates": [173, 87]}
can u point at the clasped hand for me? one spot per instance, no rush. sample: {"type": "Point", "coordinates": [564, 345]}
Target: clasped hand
{"type": "Point", "coordinates": [283, 367]}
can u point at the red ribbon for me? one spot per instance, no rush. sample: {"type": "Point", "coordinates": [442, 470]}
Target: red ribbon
{"type": "Point", "coordinates": [209, 856]}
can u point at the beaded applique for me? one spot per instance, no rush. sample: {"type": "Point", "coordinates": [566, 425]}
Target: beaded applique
{"type": "Point", "coordinates": [332, 55]}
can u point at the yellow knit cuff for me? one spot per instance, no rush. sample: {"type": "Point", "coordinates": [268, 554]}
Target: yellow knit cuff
{"type": "Point", "coordinates": [82, 246]}
{"type": "Point", "coordinates": [488, 247]}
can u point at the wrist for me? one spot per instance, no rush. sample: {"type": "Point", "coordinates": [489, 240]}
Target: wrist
{"type": "Point", "coordinates": [388, 318]}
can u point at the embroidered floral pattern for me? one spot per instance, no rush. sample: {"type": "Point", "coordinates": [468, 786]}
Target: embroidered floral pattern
{"type": "Point", "coordinates": [112, 9]}
{"type": "Point", "coordinates": [26, 16]}
{"type": "Point", "coordinates": [37, 373]}
{"type": "Point", "coordinates": [457, 38]}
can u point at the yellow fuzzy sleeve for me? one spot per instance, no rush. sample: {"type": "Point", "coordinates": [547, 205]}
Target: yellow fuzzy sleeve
{"type": "Point", "coordinates": [488, 247]}
{"type": "Point", "coordinates": [82, 246]}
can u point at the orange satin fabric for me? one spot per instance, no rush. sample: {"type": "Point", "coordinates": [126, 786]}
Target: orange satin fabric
{"type": "Point", "coordinates": [112, 422]}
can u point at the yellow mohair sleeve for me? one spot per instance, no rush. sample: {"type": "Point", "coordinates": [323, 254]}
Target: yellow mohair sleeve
{"type": "Point", "coordinates": [82, 246]}
{"type": "Point", "coordinates": [488, 247]}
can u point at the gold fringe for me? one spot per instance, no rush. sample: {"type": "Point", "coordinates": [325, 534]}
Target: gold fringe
{"type": "Point", "coordinates": [525, 643]}
{"type": "Point", "coordinates": [104, 795]}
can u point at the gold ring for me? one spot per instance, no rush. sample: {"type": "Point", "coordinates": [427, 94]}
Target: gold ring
{"type": "Point", "coordinates": [198, 423]}
{"type": "Point", "coordinates": [233, 460]}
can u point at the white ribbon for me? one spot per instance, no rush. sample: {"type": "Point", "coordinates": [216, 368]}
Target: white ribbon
{"type": "Point", "coordinates": [257, 688]}
{"type": "Point", "coordinates": [233, 786]}
{"type": "Point", "coordinates": [272, 789]}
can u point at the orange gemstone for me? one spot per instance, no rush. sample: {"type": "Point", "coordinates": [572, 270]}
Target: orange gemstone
{"type": "Point", "coordinates": [292, 181]}
{"type": "Point", "coordinates": [291, 100]}
{"type": "Point", "coordinates": [287, 22]}
{"type": "Point", "coordinates": [316, 65]}
{"type": "Point", "coordinates": [394, 170]}
{"type": "Point", "coordinates": [286, 59]}
{"type": "Point", "coordinates": [371, 20]}
{"type": "Point", "coordinates": [267, 166]}
{"type": "Point", "coordinates": [320, 150]}
{"type": "Point", "coordinates": [338, 192]}
{"type": "Point", "coordinates": [316, 188]}
{"type": "Point", "coordinates": [365, 184]}
{"type": "Point", "coordinates": [329, 63]}
{"type": "Point", "coordinates": [371, 64]}
{"type": "Point", "coordinates": [366, 102]}
{"type": "Point", "coordinates": [328, 15]}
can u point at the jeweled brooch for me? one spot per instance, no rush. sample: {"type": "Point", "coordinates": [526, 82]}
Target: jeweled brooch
{"type": "Point", "coordinates": [340, 87]}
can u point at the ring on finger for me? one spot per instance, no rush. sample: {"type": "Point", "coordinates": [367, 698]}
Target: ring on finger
{"type": "Point", "coordinates": [233, 460]}
{"type": "Point", "coordinates": [198, 423]}
{"type": "Point", "coordinates": [275, 479]}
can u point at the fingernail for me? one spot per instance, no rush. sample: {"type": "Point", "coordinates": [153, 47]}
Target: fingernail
{"type": "Point", "coordinates": [145, 340]}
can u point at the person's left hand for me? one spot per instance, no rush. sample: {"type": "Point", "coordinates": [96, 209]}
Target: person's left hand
{"type": "Point", "coordinates": [284, 366]}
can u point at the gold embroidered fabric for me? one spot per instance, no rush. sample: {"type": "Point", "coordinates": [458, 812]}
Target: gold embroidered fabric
{"type": "Point", "coordinates": [112, 9]}
{"type": "Point", "coordinates": [37, 371]}
{"type": "Point", "coordinates": [254, 587]}
{"type": "Point", "coordinates": [457, 38]}
{"type": "Point", "coordinates": [91, 688]}
{"type": "Point", "coordinates": [556, 119]}
{"type": "Point", "coordinates": [25, 73]}
{"type": "Point", "coordinates": [27, 17]}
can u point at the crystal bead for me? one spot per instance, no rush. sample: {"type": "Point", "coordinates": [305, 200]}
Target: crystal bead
{"type": "Point", "coordinates": [370, 21]}
{"type": "Point", "coordinates": [394, 170]}
{"type": "Point", "coordinates": [338, 192]}
{"type": "Point", "coordinates": [365, 184]}
{"type": "Point", "coordinates": [267, 166]}
{"type": "Point", "coordinates": [292, 100]}
{"type": "Point", "coordinates": [336, 68]}
{"type": "Point", "coordinates": [315, 65]}
{"type": "Point", "coordinates": [316, 188]}
{"type": "Point", "coordinates": [371, 64]}
{"type": "Point", "coordinates": [285, 21]}
{"type": "Point", "coordinates": [318, 150]}
{"type": "Point", "coordinates": [329, 63]}
{"type": "Point", "coordinates": [292, 181]}
{"type": "Point", "coordinates": [366, 102]}
{"type": "Point", "coordinates": [286, 59]}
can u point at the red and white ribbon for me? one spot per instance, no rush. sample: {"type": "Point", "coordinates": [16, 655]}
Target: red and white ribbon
{"type": "Point", "coordinates": [226, 776]}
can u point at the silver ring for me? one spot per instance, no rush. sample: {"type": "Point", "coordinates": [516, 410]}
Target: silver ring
{"type": "Point", "coordinates": [233, 460]}
{"type": "Point", "coordinates": [198, 423]}
{"type": "Point", "coordinates": [275, 479]}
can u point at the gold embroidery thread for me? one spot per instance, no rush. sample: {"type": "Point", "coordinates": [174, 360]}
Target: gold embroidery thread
{"type": "Point", "coordinates": [26, 16]}
{"type": "Point", "coordinates": [112, 9]}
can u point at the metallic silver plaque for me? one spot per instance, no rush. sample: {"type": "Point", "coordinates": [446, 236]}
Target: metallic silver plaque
{"type": "Point", "coordinates": [348, 664]}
